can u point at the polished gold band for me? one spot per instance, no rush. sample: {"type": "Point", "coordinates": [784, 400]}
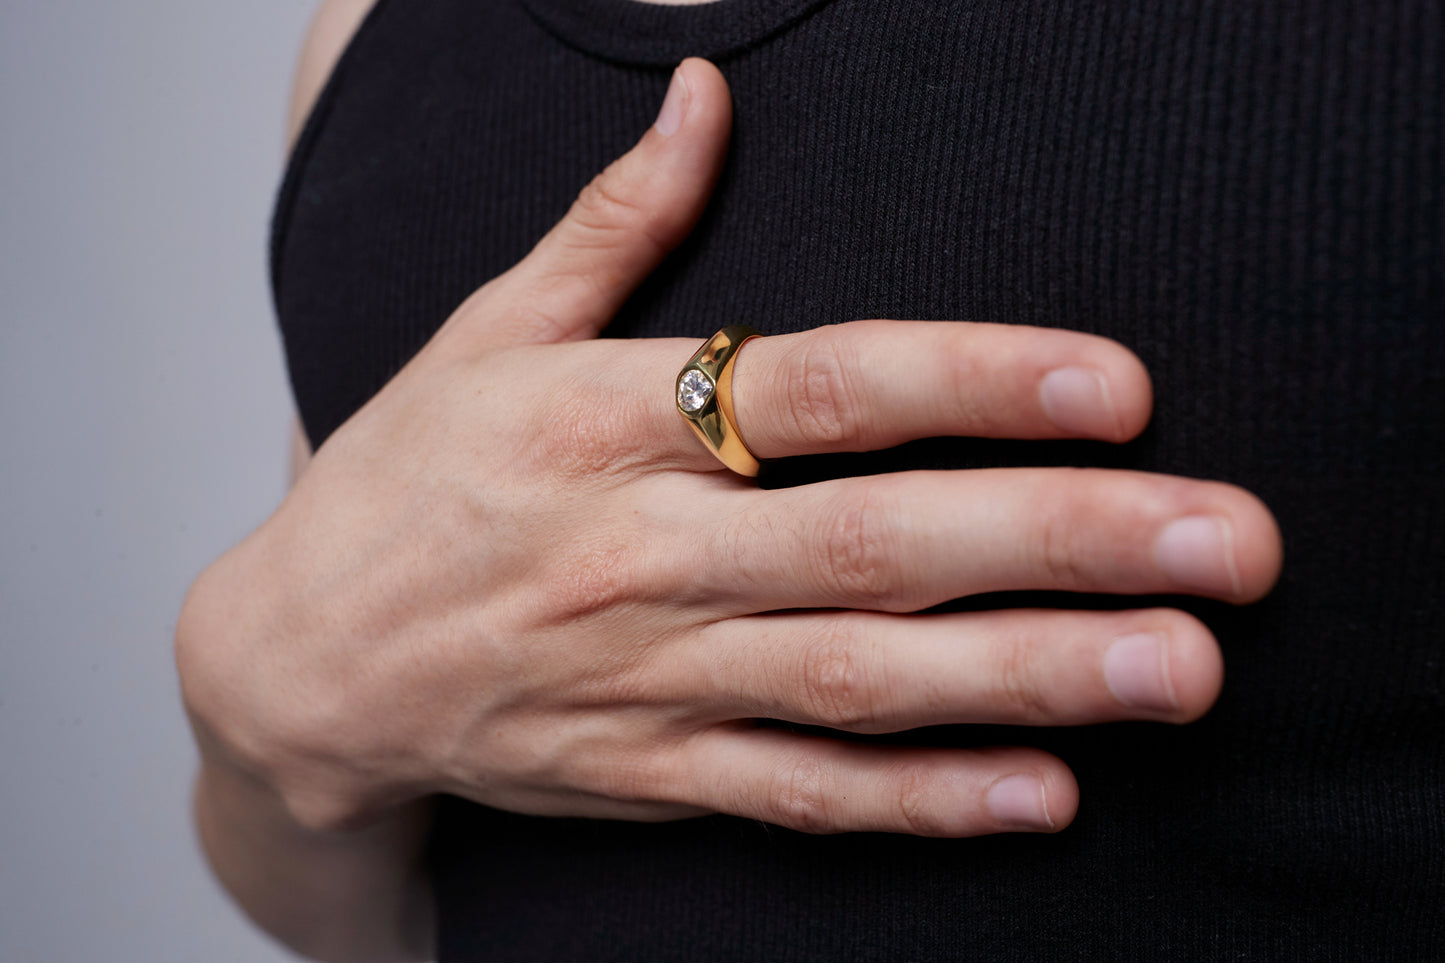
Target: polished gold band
{"type": "Point", "coordinates": [705, 398]}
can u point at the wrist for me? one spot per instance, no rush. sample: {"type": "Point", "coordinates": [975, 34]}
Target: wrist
{"type": "Point", "coordinates": [251, 652]}
{"type": "Point", "coordinates": [346, 894]}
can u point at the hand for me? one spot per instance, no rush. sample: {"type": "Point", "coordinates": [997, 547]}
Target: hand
{"type": "Point", "coordinates": [516, 576]}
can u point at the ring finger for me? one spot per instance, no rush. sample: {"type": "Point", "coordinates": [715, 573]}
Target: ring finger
{"type": "Point", "coordinates": [869, 673]}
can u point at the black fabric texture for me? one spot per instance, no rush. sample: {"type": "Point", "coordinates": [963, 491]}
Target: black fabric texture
{"type": "Point", "coordinates": [1249, 195]}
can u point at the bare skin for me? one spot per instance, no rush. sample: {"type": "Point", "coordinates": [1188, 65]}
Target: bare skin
{"type": "Point", "coordinates": [469, 590]}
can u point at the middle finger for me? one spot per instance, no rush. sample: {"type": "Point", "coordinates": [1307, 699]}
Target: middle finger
{"type": "Point", "coordinates": [910, 540]}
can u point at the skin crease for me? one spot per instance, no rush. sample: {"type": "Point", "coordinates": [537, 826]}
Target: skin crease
{"type": "Point", "coordinates": [357, 600]}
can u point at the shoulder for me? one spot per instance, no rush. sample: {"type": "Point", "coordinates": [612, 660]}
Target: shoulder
{"type": "Point", "coordinates": [332, 27]}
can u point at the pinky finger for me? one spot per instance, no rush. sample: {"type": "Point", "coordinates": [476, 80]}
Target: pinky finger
{"type": "Point", "coordinates": [814, 784]}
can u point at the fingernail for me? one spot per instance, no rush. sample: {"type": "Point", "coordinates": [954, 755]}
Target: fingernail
{"type": "Point", "coordinates": [1077, 401]}
{"type": "Point", "coordinates": [1020, 801]}
{"type": "Point", "coordinates": [1136, 669]}
{"type": "Point", "coordinates": [674, 106]}
{"type": "Point", "coordinates": [1197, 552]}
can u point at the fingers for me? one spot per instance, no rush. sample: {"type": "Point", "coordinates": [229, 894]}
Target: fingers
{"type": "Point", "coordinates": [865, 672]}
{"type": "Point", "coordinates": [620, 227]}
{"type": "Point", "coordinates": [871, 673]}
{"type": "Point", "coordinates": [910, 540]}
{"type": "Point", "coordinates": [818, 785]}
{"type": "Point", "coordinates": [866, 385]}
{"type": "Point", "coordinates": [874, 384]}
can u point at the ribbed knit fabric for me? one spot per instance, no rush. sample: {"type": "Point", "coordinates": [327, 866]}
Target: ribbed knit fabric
{"type": "Point", "coordinates": [1250, 195]}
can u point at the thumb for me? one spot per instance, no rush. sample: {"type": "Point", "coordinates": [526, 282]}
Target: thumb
{"type": "Point", "coordinates": [626, 221]}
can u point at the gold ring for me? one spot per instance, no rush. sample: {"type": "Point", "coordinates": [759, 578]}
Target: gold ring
{"type": "Point", "coordinates": [705, 398]}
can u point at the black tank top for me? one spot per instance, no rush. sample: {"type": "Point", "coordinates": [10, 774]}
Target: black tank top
{"type": "Point", "coordinates": [1250, 195]}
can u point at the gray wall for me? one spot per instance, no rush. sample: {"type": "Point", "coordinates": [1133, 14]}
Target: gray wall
{"type": "Point", "coordinates": [143, 420]}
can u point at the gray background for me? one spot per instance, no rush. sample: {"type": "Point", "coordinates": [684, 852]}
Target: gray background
{"type": "Point", "coordinates": [143, 425]}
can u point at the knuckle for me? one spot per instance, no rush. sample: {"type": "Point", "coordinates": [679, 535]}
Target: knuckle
{"type": "Point", "coordinates": [963, 363]}
{"type": "Point", "coordinates": [566, 447]}
{"type": "Point", "coordinates": [917, 809]}
{"type": "Point", "coordinates": [594, 578]}
{"type": "Point", "coordinates": [629, 776]}
{"type": "Point", "coordinates": [824, 409]}
{"type": "Point", "coordinates": [855, 550]}
{"type": "Point", "coordinates": [606, 211]}
{"type": "Point", "coordinates": [536, 316]}
{"type": "Point", "coordinates": [741, 534]}
{"type": "Point", "coordinates": [573, 449]}
{"type": "Point", "coordinates": [1019, 692]}
{"type": "Point", "coordinates": [836, 686]}
{"type": "Point", "coordinates": [1061, 557]}
{"type": "Point", "coordinates": [800, 799]}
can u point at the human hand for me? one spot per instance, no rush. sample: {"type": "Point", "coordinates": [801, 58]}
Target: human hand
{"type": "Point", "coordinates": [515, 575]}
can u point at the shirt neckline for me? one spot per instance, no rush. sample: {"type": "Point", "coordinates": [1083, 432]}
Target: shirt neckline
{"type": "Point", "coordinates": [662, 34]}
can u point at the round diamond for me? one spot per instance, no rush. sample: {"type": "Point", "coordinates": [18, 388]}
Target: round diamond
{"type": "Point", "coordinates": [693, 391]}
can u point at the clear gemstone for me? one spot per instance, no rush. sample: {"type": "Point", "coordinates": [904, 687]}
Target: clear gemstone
{"type": "Point", "coordinates": [693, 391]}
